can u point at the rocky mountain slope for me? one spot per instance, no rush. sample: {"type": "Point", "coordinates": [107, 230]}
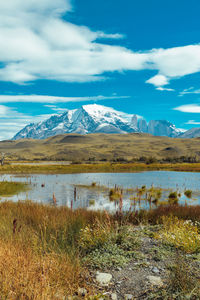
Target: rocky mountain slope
{"type": "Point", "coordinates": [191, 133]}
{"type": "Point", "coordinates": [96, 119]}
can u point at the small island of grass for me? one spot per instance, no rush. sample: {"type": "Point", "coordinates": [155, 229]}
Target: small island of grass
{"type": "Point", "coordinates": [12, 188]}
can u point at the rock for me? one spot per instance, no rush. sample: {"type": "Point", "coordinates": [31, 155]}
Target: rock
{"type": "Point", "coordinates": [103, 278]}
{"type": "Point", "coordinates": [128, 297]}
{"type": "Point", "coordinates": [155, 280]}
{"type": "Point", "coordinates": [155, 270]}
{"type": "Point", "coordinates": [82, 292]}
{"type": "Point", "coordinates": [114, 296]}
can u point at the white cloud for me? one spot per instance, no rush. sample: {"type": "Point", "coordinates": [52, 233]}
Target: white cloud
{"type": "Point", "coordinates": [55, 99]}
{"type": "Point", "coordinates": [188, 108]}
{"type": "Point", "coordinates": [190, 90]}
{"type": "Point", "coordinates": [37, 43]}
{"type": "Point", "coordinates": [11, 121]}
{"type": "Point", "coordinates": [103, 35]}
{"type": "Point", "coordinates": [158, 80]}
{"type": "Point", "coordinates": [164, 89]}
{"type": "Point", "coordinates": [192, 122]}
{"type": "Point", "coordinates": [3, 110]}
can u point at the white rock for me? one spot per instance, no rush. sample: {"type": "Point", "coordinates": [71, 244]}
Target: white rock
{"type": "Point", "coordinates": [155, 270]}
{"type": "Point", "coordinates": [114, 296]}
{"type": "Point", "coordinates": [155, 280]}
{"type": "Point", "coordinates": [103, 278]}
{"type": "Point", "coordinates": [82, 292]}
{"type": "Point", "coordinates": [128, 297]}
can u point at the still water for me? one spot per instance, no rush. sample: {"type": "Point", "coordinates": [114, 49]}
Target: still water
{"type": "Point", "coordinates": [43, 187]}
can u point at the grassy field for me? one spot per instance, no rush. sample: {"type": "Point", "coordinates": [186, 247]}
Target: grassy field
{"type": "Point", "coordinates": [97, 147]}
{"type": "Point", "coordinates": [48, 252]}
{"type": "Point", "coordinates": [108, 167]}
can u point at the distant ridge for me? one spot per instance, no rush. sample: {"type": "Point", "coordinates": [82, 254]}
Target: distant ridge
{"type": "Point", "coordinates": [96, 119]}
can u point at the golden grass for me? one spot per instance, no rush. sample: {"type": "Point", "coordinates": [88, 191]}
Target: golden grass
{"type": "Point", "coordinates": [39, 254]}
{"type": "Point", "coordinates": [26, 275]}
{"type": "Point", "coordinates": [97, 147]}
{"type": "Point", "coordinates": [98, 168]}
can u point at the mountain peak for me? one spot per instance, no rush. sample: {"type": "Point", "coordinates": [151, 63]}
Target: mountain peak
{"type": "Point", "coordinates": [94, 118]}
{"type": "Point", "coordinates": [96, 109]}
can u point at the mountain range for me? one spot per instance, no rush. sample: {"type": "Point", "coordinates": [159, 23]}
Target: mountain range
{"type": "Point", "coordinates": [100, 119]}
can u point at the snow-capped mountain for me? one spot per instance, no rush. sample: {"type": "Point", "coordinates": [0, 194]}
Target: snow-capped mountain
{"type": "Point", "coordinates": [95, 119]}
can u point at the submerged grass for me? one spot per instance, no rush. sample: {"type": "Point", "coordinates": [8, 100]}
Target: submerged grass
{"type": "Point", "coordinates": [12, 188]}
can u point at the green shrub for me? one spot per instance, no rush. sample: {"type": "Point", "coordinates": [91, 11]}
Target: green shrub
{"type": "Point", "coordinates": [181, 234]}
{"type": "Point", "coordinates": [116, 251]}
{"type": "Point", "coordinates": [188, 193]}
{"type": "Point", "coordinates": [109, 255]}
{"type": "Point", "coordinates": [173, 198]}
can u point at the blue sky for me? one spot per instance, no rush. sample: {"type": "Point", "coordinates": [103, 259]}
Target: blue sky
{"type": "Point", "coordinates": [139, 57]}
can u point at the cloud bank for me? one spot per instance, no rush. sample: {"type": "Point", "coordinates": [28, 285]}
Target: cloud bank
{"type": "Point", "coordinates": [188, 108]}
{"type": "Point", "coordinates": [192, 122]}
{"type": "Point", "coordinates": [12, 121]}
{"type": "Point", "coordinates": [37, 43]}
{"type": "Point", "coordinates": [55, 99]}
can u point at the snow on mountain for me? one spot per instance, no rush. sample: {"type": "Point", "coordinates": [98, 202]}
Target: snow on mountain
{"type": "Point", "coordinates": [95, 119]}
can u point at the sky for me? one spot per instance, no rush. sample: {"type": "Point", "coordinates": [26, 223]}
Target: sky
{"type": "Point", "coordinates": [139, 57]}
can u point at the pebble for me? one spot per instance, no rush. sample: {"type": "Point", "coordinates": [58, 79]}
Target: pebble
{"type": "Point", "coordinates": [128, 297]}
{"type": "Point", "coordinates": [114, 296]}
{"type": "Point", "coordinates": [155, 280]}
{"type": "Point", "coordinates": [155, 270]}
{"type": "Point", "coordinates": [103, 278]}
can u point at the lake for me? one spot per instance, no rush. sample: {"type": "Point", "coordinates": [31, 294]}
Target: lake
{"type": "Point", "coordinates": [43, 187]}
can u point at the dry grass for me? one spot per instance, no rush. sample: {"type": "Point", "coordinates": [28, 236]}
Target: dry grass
{"type": "Point", "coordinates": [155, 216]}
{"type": "Point", "coordinates": [39, 254]}
{"type": "Point", "coordinates": [97, 168]}
{"type": "Point", "coordinates": [109, 147]}
{"type": "Point", "coordinates": [41, 247]}
{"type": "Point", "coordinates": [26, 275]}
